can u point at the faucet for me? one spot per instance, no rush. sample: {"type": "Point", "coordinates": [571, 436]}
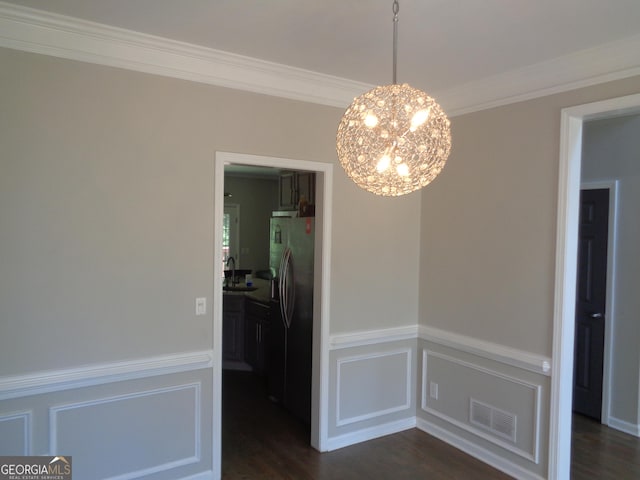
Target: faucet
{"type": "Point", "coordinates": [232, 260]}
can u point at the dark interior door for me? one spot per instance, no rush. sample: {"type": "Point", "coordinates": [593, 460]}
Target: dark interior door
{"type": "Point", "coordinates": [590, 302]}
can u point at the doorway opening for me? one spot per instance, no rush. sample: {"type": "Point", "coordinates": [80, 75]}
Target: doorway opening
{"type": "Point", "coordinates": [572, 120]}
{"type": "Point", "coordinates": [320, 334]}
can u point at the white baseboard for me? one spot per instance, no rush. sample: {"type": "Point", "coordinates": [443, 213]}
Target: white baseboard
{"type": "Point", "coordinates": [626, 427]}
{"type": "Point", "coordinates": [365, 434]}
{"type": "Point", "coordinates": [476, 451]}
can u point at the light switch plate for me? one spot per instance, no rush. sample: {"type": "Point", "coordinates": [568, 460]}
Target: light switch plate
{"type": "Point", "coordinates": [201, 306]}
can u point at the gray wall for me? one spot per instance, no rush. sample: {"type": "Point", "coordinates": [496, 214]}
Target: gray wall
{"type": "Point", "coordinates": [106, 211]}
{"type": "Point", "coordinates": [488, 223]}
{"type": "Point", "coordinates": [106, 239]}
{"type": "Point", "coordinates": [611, 150]}
{"type": "Point", "coordinates": [487, 266]}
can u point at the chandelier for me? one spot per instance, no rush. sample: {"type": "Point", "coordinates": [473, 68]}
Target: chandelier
{"type": "Point", "coordinates": [393, 139]}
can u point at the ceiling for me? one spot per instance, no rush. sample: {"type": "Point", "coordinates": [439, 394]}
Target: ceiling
{"type": "Point", "coordinates": [443, 44]}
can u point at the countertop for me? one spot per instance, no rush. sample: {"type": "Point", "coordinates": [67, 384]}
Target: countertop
{"type": "Point", "coordinates": [262, 294]}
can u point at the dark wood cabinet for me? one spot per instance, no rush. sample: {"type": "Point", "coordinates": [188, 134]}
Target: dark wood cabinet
{"type": "Point", "coordinates": [296, 186]}
{"type": "Point", "coordinates": [257, 317]}
{"type": "Point", "coordinates": [233, 328]}
{"type": "Point", "coordinates": [288, 200]}
{"type": "Point", "coordinates": [306, 186]}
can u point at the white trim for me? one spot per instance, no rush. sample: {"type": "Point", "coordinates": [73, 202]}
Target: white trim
{"type": "Point", "coordinates": [320, 362]}
{"type": "Point", "coordinates": [62, 36]}
{"type": "Point", "coordinates": [565, 274]}
{"type": "Point", "coordinates": [623, 426]}
{"type": "Point", "coordinates": [97, 374]}
{"type": "Point", "coordinates": [610, 314]}
{"type": "Point", "coordinates": [379, 413]}
{"type": "Point", "coordinates": [492, 351]}
{"type": "Point", "coordinates": [489, 350]}
{"type": "Point", "coordinates": [477, 451]}
{"type": "Point", "coordinates": [533, 456]}
{"type": "Point", "coordinates": [27, 417]}
{"type": "Point", "coordinates": [604, 63]}
{"type": "Point", "coordinates": [366, 434]}
{"type": "Point", "coordinates": [372, 337]}
{"type": "Point", "coordinates": [195, 458]}
{"type": "Point", "coordinates": [218, 215]}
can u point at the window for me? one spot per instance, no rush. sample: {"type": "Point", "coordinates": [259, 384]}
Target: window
{"type": "Point", "coordinates": [230, 235]}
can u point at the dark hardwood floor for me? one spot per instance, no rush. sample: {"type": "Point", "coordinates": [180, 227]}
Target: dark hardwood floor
{"type": "Point", "coordinates": [598, 451]}
{"type": "Point", "coordinates": [260, 440]}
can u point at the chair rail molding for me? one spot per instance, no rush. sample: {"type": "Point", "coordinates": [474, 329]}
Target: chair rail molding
{"type": "Point", "coordinates": [56, 380]}
{"type": "Point", "coordinates": [492, 351]}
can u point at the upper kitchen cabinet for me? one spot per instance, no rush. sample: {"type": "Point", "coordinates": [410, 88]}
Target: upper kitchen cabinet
{"type": "Point", "coordinates": [298, 191]}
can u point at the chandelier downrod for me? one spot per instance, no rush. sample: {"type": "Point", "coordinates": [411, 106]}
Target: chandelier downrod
{"type": "Point", "coordinates": [396, 9]}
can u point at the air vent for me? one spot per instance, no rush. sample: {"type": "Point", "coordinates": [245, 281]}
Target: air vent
{"type": "Point", "coordinates": [498, 422]}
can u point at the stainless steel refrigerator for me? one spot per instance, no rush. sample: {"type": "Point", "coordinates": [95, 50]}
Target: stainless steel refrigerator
{"type": "Point", "coordinates": [290, 335]}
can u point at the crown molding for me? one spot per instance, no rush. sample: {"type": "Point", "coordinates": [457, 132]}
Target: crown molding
{"type": "Point", "coordinates": [36, 31]}
{"type": "Point", "coordinates": [605, 63]}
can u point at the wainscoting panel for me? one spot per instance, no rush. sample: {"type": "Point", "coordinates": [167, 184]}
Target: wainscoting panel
{"type": "Point", "coordinates": [361, 394]}
{"type": "Point", "coordinates": [152, 418]}
{"type": "Point", "coordinates": [373, 393]}
{"type": "Point", "coordinates": [492, 409]}
{"type": "Point", "coordinates": [131, 431]}
{"type": "Point", "coordinates": [15, 434]}
{"type": "Point", "coordinates": [499, 408]}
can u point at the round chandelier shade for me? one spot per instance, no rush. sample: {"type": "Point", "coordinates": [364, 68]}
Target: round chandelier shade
{"type": "Point", "coordinates": [393, 140]}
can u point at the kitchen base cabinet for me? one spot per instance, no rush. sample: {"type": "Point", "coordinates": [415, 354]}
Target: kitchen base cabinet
{"type": "Point", "coordinates": [257, 317]}
{"type": "Point", "coordinates": [233, 328]}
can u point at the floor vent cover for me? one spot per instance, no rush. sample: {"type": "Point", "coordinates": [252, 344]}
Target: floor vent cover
{"type": "Point", "coordinates": [496, 421]}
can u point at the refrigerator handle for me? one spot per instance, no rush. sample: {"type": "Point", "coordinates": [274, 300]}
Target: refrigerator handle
{"type": "Point", "coordinates": [291, 288]}
{"type": "Point", "coordinates": [286, 287]}
{"type": "Point", "coordinates": [281, 296]}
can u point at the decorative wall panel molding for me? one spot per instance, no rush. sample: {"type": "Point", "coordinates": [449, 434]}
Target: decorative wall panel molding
{"type": "Point", "coordinates": [56, 380]}
{"type": "Point", "coordinates": [533, 391]}
{"type": "Point", "coordinates": [360, 376]}
{"type": "Point", "coordinates": [12, 426]}
{"type": "Point", "coordinates": [133, 429]}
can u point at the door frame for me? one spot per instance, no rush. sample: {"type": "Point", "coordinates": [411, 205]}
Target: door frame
{"type": "Point", "coordinates": [610, 290]}
{"type": "Point", "coordinates": [572, 120]}
{"type": "Point", "coordinates": [321, 290]}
